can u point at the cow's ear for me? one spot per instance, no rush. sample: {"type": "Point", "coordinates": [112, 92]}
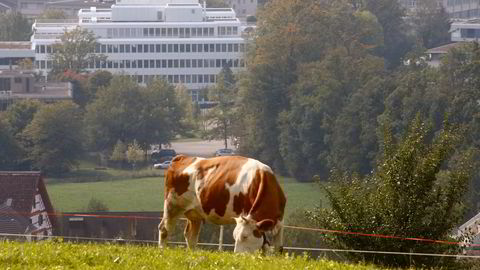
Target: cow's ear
{"type": "Point", "coordinates": [265, 225]}
{"type": "Point", "coordinates": [178, 158]}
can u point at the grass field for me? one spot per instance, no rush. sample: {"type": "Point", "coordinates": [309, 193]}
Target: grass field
{"type": "Point", "coordinates": [146, 194]}
{"type": "Point", "coordinates": [56, 255]}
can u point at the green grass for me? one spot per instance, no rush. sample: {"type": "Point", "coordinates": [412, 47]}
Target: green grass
{"type": "Point", "coordinates": [146, 194]}
{"type": "Point", "coordinates": [57, 255]}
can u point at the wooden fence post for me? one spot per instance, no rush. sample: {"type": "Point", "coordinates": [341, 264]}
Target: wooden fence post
{"type": "Point", "coordinates": [220, 239]}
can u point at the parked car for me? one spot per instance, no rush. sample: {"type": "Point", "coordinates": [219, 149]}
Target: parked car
{"type": "Point", "coordinates": [224, 152]}
{"type": "Point", "coordinates": [164, 165]}
{"type": "Point", "coordinates": [162, 155]}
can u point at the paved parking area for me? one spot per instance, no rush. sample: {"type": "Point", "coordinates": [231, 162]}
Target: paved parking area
{"type": "Point", "coordinates": [199, 148]}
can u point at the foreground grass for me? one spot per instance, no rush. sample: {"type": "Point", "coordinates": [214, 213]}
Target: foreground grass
{"type": "Point", "coordinates": [146, 194]}
{"type": "Point", "coordinates": [54, 255]}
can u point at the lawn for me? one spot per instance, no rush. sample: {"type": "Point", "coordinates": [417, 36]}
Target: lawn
{"type": "Point", "coordinates": [57, 255]}
{"type": "Point", "coordinates": [146, 194]}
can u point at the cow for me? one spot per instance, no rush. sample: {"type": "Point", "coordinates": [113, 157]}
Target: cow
{"type": "Point", "coordinates": [224, 190]}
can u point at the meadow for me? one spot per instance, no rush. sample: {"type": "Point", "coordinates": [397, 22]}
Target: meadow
{"type": "Point", "coordinates": [142, 190]}
{"type": "Point", "coordinates": [62, 255]}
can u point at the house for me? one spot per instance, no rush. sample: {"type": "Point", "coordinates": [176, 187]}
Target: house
{"type": "Point", "coordinates": [435, 55]}
{"type": "Point", "coordinates": [471, 228]}
{"type": "Point", "coordinates": [25, 207]}
{"type": "Point", "coordinates": [23, 84]}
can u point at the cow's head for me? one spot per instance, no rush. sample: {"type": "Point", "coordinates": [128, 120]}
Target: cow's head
{"type": "Point", "coordinates": [249, 234]}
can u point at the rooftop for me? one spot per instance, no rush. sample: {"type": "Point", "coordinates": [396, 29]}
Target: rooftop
{"type": "Point", "coordinates": [27, 45]}
{"type": "Point", "coordinates": [445, 48]}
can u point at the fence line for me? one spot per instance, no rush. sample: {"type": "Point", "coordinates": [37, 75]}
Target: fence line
{"type": "Point", "coordinates": [120, 240]}
{"type": "Point", "coordinates": [325, 231]}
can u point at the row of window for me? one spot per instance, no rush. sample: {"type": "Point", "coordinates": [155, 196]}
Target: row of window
{"type": "Point", "coordinates": [157, 48]}
{"type": "Point", "coordinates": [151, 63]}
{"type": "Point", "coordinates": [174, 32]}
{"type": "Point", "coordinates": [180, 78]}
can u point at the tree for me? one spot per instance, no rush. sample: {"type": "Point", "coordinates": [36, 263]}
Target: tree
{"type": "Point", "coordinates": [75, 51]}
{"type": "Point", "coordinates": [14, 27]}
{"type": "Point", "coordinates": [21, 113]}
{"type": "Point", "coordinates": [53, 14]}
{"type": "Point", "coordinates": [55, 134]}
{"type": "Point", "coordinates": [126, 111]}
{"type": "Point", "coordinates": [431, 23]}
{"type": "Point", "coordinates": [411, 193]}
{"type": "Point", "coordinates": [10, 150]}
{"type": "Point", "coordinates": [216, 4]}
{"type": "Point", "coordinates": [390, 16]}
{"type": "Point", "coordinates": [135, 154]}
{"type": "Point", "coordinates": [222, 116]}
{"type": "Point", "coordinates": [119, 153]}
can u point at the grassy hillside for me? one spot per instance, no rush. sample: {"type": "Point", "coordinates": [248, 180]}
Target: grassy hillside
{"type": "Point", "coordinates": [146, 194]}
{"type": "Point", "coordinates": [55, 255]}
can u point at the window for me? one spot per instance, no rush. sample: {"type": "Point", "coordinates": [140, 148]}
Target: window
{"type": "Point", "coordinates": [182, 48]}
{"type": "Point", "coordinates": [145, 32]}
{"type": "Point", "coordinates": [140, 64]}
{"type": "Point", "coordinates": [175, 32]}
{"type": "Point", "coordinates": [170, 63]}
{"type": "Point", "coordinates": [158, 48]}
{"type": "Point", "coordinates": [164, 48]}
{"type": "Point", "coordinates": [110, 48]}
{"type": "Point", "coordinates": [151, 32]}
{"type": "Point", "coordinates": [175, 63]}
{"type": "Point", "coordinates": [187, 48]}
{"type": "Point", "coordinates": [18, 80]}
{"type": "Point", "coordinates": [182, 63]}
{"type": "Point", "coordinates": [194, 47]}
{"type": "Point", "coordinates": [134, 48]}
{"type": "Point", "coordinates": [145, 63]}
{"type": "Point", "coordinates": [104, 48]}
{"type": "Point", "coordinates": [175, 48]}
{"type": "Point", "coordinates": [152, 63]}
{"type": "Point", "coordinates": [157, 31]}
{"type": "Point", "coordinates": [145, 48]}
{"type": "Point", "coordinates": [115, 48]}
{"type": "Point", "coordinates": [170, 48]}
{"type": "Point", "coordinates": [127, 48]}
{"type": "Point", "coordinates": [127, 63]}
{"type": "Point", "coordinates": [139, 48]}
{"type": "Point", "coordinates": [115, 32]}
{"type": "Point", "coordinates": [158, 63]}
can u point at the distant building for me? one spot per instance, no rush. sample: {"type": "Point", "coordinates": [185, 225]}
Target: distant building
{"type": "Point", "coordinates": [25, 207]}
{"type": "Point", "coordinates": [35, 8]}
{"type": "Point", "coordinates": [22, 84]}
{"type": "Point", "coordinates": [180, 41]}
{"type": "Point", "coordinates": [462, 9]}
{"type": "Point", "coordinates": [471, 228]}
{"type": "Point", "coordinates": [243, 8]}
{"type": "Point", "coordinates": [435, 55]}
{"type": "Point", "coordinates": [12, 52]}
{"type": "Point", "coordinates": [465, 30]}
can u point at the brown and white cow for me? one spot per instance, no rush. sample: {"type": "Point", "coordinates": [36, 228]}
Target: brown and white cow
{"type": "Point", "coordinates": [224, 190]}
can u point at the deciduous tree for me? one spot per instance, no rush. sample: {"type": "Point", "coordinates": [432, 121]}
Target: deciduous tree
{"type": "Point", "coordinates": [56, 137]}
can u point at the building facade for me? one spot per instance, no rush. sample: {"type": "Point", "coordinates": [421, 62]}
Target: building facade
{"type": "Point", "coordinates": [180, 41]}
{"type": "Point", "coordinates": [25, 202]}
{"type": "Point", "coordinates": [243, 8]}
{"type": "Point", "coordinates": [462, 9]}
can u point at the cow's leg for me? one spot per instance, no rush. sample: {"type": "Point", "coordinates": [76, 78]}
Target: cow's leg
{"type": "Point", "coordinates": [170, 217]}
{"type": "Point", "coordinates": [277, 240]}
{"type": "Point", "coordinates": [192, 230]}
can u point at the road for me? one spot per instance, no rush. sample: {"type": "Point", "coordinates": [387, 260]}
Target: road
{"type": "Point", "coordinates": [198, 148]}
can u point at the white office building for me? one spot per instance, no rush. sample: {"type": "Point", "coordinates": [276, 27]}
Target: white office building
{"type": "Point", "coordinates": [181, 41]}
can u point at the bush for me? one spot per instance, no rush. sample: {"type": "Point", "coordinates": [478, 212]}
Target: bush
{"type": "Point", "coordinates": [406, 196]}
